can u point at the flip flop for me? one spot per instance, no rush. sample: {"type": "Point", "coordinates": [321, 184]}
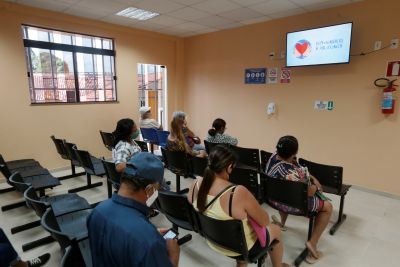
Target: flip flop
{"type": "Point", "coordinates": [276, 221]}
{"type": "Point", "coordinates": [313, 252]}
{"type": "Point", "coordinates": [310, 259]}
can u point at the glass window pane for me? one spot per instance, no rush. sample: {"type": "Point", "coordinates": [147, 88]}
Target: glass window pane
{"type": "Point", "coordinates": [62, 38]}
{"type": "Point", "coordinates": [107, 44]}
{"type": "Point", "coordinates": [53, 77]}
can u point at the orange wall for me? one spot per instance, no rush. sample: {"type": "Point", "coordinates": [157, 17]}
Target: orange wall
{"type": "Point", "coordinates": [355, 135]}
{"type": "Point", "coordinates": [25, 129]}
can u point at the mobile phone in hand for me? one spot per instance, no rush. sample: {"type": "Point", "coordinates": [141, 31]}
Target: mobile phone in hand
{"type": "Point", "coordinates": [171, 234]}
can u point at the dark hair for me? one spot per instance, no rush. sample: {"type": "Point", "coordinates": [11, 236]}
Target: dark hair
{"type": "Point", "coordinates": [287, 146]}
{"type": "Point", "coordinates": [123, 130]}
{"type": "Point", "coordinates": [217, 126]}
{"type": "Point", "coordinates": [135, 183]}
{"type": "Point", "coordinates": [219, 160]}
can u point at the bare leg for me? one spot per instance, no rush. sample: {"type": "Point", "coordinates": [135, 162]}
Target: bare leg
{"type": "Point", "coordinates": [241, 263]}
{"type": "Point", "coordinates": [283, 217]}
{"type": "Point", "coordinates": [321, 221]}
{"type": "Point", "coordinates": [277, 252]}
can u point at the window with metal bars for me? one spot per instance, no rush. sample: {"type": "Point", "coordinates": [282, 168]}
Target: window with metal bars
{"type": "Point", "coordinates": [64, 67]}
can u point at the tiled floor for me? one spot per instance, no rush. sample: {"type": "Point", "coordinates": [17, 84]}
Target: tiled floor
{"type": "Point", "coordinates": [369, 237]}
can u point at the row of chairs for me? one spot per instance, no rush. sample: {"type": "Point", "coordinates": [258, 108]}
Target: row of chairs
{"type": "Point", "coordinates": [31, 172]}
{"type": "Point", "coordinates": [331, 177]}
{"type": "Point", "coordinates": [228, 234]}
{"type": "Point", "coordinates": [108, 141]}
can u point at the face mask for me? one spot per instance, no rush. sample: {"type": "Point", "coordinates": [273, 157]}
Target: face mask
{"type": "Point", "coordinates": [150, 200]}
{"type": "Point", "coordinates": [135, 135]}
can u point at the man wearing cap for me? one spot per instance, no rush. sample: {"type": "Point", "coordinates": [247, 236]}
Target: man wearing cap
{"type": "Point", "coordinates": [120, 232]}
{"type": "Point", "coordinates": [145, 119]}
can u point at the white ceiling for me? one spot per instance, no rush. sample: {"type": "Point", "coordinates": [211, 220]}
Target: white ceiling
{"type": "Point", "coordinates": [186, 17]}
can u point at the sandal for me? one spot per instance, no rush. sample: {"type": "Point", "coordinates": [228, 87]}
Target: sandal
{"type": "Point", "coordinates": [310, 259]}
{"type": "Point", "coordinates": [276, 221]}
{"type": "Point", "coordinates": [313, 251]}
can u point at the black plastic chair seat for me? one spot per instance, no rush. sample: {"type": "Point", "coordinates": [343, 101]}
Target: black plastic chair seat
{"type": "Point", "coordinates": [66, 203]}
{"type": "Point", "coordinates": [330, 190]}
{"type": "Point", "coordinates": [181, 223]}
{"type": "Point", "coordinates": [254, 256]}
{"type": "Point", "coordinates": [97, 167]}
{"type": "Point", "coordinates": [42, 181]}
{"type": "Point", "coordinates": [34, 172]}
{"type": "Point", "coordinates": [73, 224]}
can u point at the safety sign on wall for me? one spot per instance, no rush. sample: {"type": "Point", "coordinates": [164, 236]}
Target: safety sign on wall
{"type": "Point", "coordinates": [254, 76]}
{"type": "Point", "coordinates": [393, 69]}
{"type": "Point", "coordinates": [323, 105]}
{"type": "Point", "coordinates": [285, 75]}
{"type": "Point", "coordinates": [272, 75]}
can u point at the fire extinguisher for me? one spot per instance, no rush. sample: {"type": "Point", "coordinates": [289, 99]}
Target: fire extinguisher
{"type": "Point", "coordinates": [388, 97]}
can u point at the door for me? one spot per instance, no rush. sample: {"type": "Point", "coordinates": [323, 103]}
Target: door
{"type": "Point", "coordinates": [152, 86]}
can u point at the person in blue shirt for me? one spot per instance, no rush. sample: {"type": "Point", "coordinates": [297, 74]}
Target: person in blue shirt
{"type": "Point", "coordinates": [120, 232]}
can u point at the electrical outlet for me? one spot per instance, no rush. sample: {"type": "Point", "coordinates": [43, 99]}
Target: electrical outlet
{"type": "Point", "coordinates": [377, 45]}
{"type": "Point", "coordinates": [394, 43]}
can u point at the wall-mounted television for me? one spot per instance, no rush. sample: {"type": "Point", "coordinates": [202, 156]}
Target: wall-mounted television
{"type": "Point", "coordinates": [319, 46]}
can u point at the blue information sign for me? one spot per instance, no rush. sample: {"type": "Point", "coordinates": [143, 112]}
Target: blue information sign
{"type": "Point", "coordinates": [254, 76]}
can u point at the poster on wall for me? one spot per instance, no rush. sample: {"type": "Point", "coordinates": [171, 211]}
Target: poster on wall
{"type": "Point", "coordinates": [393, 69]}
{"type": "Point", "coordinates": [285, 75]}
{"type": "Point", "coordinates": [272, 75]}
{"type": "Point", "coordinates": [254, 76]}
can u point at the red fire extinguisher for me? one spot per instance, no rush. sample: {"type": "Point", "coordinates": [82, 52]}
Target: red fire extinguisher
{"type": "Point", "coordinates": [388, 97]}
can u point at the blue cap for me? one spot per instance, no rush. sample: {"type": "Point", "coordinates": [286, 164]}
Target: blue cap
{"type": "Point", "coordinates": [146, 166]}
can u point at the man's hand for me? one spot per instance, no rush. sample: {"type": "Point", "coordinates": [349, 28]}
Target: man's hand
{"type": "Point", "coordinates": [162, 231]}
{"type": "Point", "coordinates": [173, 251]}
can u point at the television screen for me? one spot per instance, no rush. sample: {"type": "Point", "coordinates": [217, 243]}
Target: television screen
{"type": "Point", "coordinates": [326, 45]}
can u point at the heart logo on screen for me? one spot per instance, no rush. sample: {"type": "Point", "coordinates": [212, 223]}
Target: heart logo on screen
{"type": "Point", "coordinates": [302, 49]}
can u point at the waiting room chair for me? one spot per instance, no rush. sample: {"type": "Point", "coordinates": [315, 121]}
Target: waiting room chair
{"type": "Point", "coordinates": [331, 178]}
{"type": "Point", "coordinates": [264, 157]}
{"type": "Point", "coordinates": [17, 165]}
{"type": "Point", "coordinates": [92, 166]}
{"type": "Point", "coordinates": [162, 137]}
{"type": "Point", "coordinates": [77, 254]}
{"type": "Point", "coordinates": [177, 209]}
{"type": "Point", "coordinates": [61, 150]}
{"type": "Point", "coordinates": [178, 163]}
{"type": "Point", "coordinates": [108, 140]}
{"type": "Point", "coordinates": [209, 146]}
{"type": "Point", "coordinates": [39, 178]}
{"type": "Point", "coordinates": [142, 145]}
{"type": "Point", "coordinates": [229, 234]}
{"type": "Point", "coordinates": [248, 158]}
{"type": "Point", "coordinates": [249, 178]}
{"type": "Point", "coordinates": [293, 194]}
{"type": "Point", "coordinates": [113, 177]}
{"type": "Point", "coordinates": [150, 136]}
{"type": "Point", "coordinates": [198, 165]}
{"type": "Point", "coordinates": [66, 227]}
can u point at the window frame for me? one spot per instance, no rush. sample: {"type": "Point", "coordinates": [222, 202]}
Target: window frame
{"type": "Point", "coordinates": [74, 49]}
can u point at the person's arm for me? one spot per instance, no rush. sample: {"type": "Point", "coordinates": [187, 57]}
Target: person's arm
{"type": "Point", "coordinates": [251, 205]}
{"type": "Point", "coordinates": [120, 167]}
{"type": "Point", "coordinates": [316, 182]}
{"type": "Point", "coordinates": [173, 251]}
{"type": "Point", "coordinates": [120, 158]}
{"type": "Point", "coordinates": [312, 189]}
{"type": "Point", "coordinates": [189, 132]}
